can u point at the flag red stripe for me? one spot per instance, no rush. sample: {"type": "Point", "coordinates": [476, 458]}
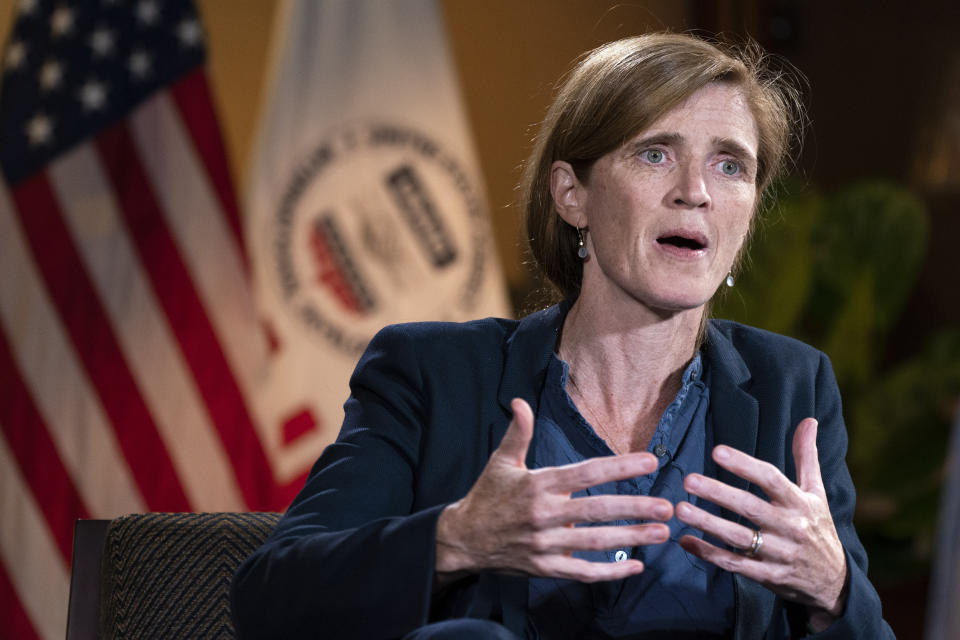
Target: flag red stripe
{"type": "Point", "coordinates": [192, 96]}
{"type": "Point", "coordinates": [181, 303]}
{"type": "Point", "coordinates": [36, 454]}
{"type": "Point", "coordinates": [14, 622]}
{"type": "Point", "coordinates": [85, 320]}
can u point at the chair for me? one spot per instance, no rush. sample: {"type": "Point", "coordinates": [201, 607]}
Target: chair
{"type": "Point", "coordinates": [159, 575]}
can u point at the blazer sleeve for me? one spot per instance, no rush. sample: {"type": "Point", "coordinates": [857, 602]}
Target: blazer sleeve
{"type": "Point", "coordinates": [349, 559]}
{"type": "Point", "coordinates": [862, 617]}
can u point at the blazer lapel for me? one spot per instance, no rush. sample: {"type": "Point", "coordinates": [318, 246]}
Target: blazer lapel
{"type": "Point", "coordinates": [529, 350]}
{"type": "Point", "coordinates": [735, 412]}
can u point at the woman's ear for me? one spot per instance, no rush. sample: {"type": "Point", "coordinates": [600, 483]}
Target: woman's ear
{"type": "Point", "coordinates": [569, 195]}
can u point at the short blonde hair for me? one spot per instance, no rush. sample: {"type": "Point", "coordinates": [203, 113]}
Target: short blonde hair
{"type": "Point", "coordinates": [620, 89]}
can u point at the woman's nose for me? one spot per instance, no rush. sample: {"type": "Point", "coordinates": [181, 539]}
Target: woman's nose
{"type": "Point", "coordinates": [690, 189]}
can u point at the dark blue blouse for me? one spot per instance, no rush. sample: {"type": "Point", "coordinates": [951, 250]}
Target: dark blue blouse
{"type": "Point", "coordinates": [677, 595]}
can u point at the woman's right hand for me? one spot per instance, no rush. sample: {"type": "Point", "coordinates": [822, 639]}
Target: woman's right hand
{"type": "Point", "coordinates": [521, 521]}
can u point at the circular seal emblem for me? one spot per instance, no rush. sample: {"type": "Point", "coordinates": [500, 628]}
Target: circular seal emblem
{"type": "Point", "coordinates": [378, 224]}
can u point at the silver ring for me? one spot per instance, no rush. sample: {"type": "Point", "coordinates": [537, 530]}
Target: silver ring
{"type": "Point", "coordinates": [755, 545]}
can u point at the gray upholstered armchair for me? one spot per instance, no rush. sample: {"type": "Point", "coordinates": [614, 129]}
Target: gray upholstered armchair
{"type": "Point", "coordinates": [159, 575]}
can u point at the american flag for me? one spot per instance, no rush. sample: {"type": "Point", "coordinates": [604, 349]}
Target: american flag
{"type": "Point", "coordinates": [129, 345]}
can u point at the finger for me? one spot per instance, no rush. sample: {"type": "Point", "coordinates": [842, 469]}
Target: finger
{"type": "Point", "coordinates": [730, 533]}
{"type": "Point", "coordinates": [806, 458]}
{"type": "Point", "coordinates": [589, 473]}
{"type": "Point", "coordinates": [726, 560]}
{"type": "Point", "coordinates": [761, 473]}
{"type": "Point", "coordinates": [516, 441]}
{"type": "Point", "coordinates": [608, 538]}
{"type": "Point", "coordinates": [608, 508]}
{"type": "Point", "coordinates": [565, 567]}
{"type": "Point", "coordinates": [741, 502]}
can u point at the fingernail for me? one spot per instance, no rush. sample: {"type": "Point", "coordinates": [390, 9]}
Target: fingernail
{"type": "Point", "coordinates": [721, 453]}
{"type": "Point", "coordinates": [662, 511]}
{"type": "Point", "coordinates": [683, 510]}
{"type": "Point", "coordinates": [693, 482]}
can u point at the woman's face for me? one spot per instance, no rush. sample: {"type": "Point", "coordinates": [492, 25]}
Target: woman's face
{"type": "Point", "coordinates": [668, 211]}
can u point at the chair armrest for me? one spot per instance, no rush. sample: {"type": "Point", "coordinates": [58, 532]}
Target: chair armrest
{"type": "Point", "coordinates": [84, 609]}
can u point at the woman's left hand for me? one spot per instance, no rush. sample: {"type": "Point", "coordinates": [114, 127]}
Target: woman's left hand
{"type": "Point", "coordinates": [801, 557]}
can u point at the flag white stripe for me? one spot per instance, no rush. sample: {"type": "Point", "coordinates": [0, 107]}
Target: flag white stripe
{"type": "Point", "coordinates": [180, 184]}
{"type": "Point", "coordinates": [64, 397]}
{"type": "Point", "coordinates": [30, 554]}
{"type": "Point", "coordinates": [141, 328]}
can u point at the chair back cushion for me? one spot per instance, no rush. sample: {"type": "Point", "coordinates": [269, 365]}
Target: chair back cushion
{"type": "Point", "coordinates": [167, 575]}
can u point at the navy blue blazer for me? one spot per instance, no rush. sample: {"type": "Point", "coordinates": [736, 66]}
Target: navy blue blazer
{"type": "Point", "coordinates": [353, 557]}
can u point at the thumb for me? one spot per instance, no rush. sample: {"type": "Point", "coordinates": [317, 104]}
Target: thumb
{"type": "Point", "coordinates": [516, 440]}
{"type": "Point", "coordinates": [806, 458]}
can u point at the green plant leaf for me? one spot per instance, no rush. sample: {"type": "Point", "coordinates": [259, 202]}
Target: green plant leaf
{"type": "Point", "coordinates": [872, 227]}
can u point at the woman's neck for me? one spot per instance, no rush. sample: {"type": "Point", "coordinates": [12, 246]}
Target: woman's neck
{"type": "Point", "coordinates": [627, 362]}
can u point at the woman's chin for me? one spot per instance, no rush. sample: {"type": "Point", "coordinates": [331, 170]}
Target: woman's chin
{"type": "Point", "coordinates": [677, 297]}
{"type": "Point", "coordinates": [668, 305]}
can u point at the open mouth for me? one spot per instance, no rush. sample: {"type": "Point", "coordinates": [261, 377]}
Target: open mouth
{"type": "Point", "coordinates": [682, 242]}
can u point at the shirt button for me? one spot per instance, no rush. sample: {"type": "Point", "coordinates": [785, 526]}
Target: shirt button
{"type": "Point", "coordinates": [620, 556]}
{"type": "Point", "coordinates": [660, 450]}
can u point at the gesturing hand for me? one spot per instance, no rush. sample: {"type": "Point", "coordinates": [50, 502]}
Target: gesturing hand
{"type": "Point", "coordinates": [801, 557]}
{"type": "Point", "coordinates": [518, 520]}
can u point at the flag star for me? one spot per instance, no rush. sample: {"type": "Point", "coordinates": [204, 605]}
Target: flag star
{"type": "Point", "coordinates": [16, 52]}
{"type": "Point", "coordinates": [93, 95]}
{"type": "Point", "coordinates": [51, 73]}
{"type": "Point", "coordinates": [102, 42]}
{"type": "Point", "coordinates": [39, 130]}
{"type": "Point", "coordinates": [61, 22]}
{"type": "Point", "coordinates": [139, 64]}
{"type": "Point", "coordinates": [147, 12]}
{"type": "Point", "coordinates": [189, 32]}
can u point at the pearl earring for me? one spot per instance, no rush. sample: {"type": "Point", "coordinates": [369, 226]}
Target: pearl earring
{"type": "Point", "coordinates": [729, 279]}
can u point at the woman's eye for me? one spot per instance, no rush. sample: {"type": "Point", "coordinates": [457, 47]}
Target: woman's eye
{"type": "Point", "coordinates": [653, 156]}
{"type": "Point", "coordinates": [729, 167]}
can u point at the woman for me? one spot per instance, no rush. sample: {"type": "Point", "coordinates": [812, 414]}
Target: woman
{"type": "Point", "coordinates": [614, 466]}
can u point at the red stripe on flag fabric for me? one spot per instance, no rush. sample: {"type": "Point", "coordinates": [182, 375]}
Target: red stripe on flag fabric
{"type": "Point", "coordinates": [36, 454]}
{"type": "Point", "coordinates": [187, 317]}
{"type": "Point", "coordinates": [84, 318]}
{"type": "Point", "coordinates": [14, 621]}
{"type": "Point", "coordinates": [192, 96]}
{"type": "Point", "coordinates": [298, 425]}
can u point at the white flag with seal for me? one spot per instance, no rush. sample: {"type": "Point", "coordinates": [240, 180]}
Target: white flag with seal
{"type": "Point", "coordinates": [365, 207]}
